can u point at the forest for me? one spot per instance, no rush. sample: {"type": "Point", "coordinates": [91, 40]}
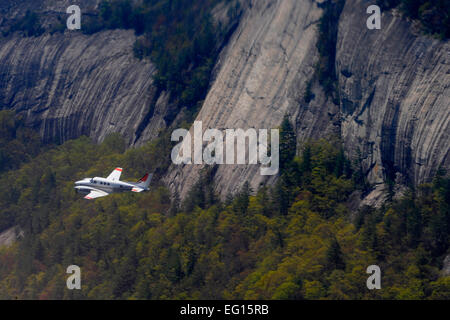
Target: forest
{"type": "Point", "coordinates": [298, 239]}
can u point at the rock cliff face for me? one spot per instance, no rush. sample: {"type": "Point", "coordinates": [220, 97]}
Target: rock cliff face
{"type": "Point", "coordinates": [9, 236]}
{"type": "Point", "coordinates": [395, 96]}
{"type": "Point", "coordinates": [262, 75]}
{"type": "Point", "coordinates": [393, 85]}
{"type": "Point", "coordinates": [70, 84]}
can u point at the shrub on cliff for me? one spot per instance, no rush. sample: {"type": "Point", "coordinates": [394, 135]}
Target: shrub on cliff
{"type": "Point", "coordinates": [29, 24]}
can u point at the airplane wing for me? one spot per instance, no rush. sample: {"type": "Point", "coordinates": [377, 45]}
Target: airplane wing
{"type": "Point", "coordinates": [115, 175]}
{"type": "Point", "coordinates": [96, 194]}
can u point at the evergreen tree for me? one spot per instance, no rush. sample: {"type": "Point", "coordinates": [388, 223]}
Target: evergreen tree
{"type": "Point", "coordinates": [288, 143]}
{"type": "Point", "coordinates": [306, 165]}
{"type": "Point", "coordinates": [242, 200]}
{"type": "Point", "coordinates": [334, 256]}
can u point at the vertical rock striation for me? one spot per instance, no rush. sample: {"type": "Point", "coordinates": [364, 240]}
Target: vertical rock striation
{"type": "Point", "coordinates": [395, 96]}
{"type": "Point", "coordinates": [71, 84]}
{"type": "Point", "coordinates": [261, 76]}
{"type": "Point", "coordinates": [68, 85]}
{"type": "Point", "coordinates": [393, 83]}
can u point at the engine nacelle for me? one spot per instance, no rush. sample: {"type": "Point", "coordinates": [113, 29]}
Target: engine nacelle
{"type": "Point", "coordinates": [83, 190]}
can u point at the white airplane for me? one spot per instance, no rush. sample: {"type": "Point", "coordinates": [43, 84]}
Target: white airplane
{"type": "Point", "coordinates": [101, 187]}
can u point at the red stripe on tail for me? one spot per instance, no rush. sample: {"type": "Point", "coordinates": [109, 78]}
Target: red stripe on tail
{"type": "Point", "coordinates": [144, 178]}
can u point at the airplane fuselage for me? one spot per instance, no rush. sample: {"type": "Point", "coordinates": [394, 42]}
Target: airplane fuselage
{"type": "Point", "coordinates": [88, 184]}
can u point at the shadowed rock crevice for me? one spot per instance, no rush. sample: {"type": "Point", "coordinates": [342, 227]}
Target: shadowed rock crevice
{"type": "Point", "coordinates": [388, 138]}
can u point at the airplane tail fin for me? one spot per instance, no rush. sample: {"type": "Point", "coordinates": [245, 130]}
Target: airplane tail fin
{"type": "Point", "coordinates": [144, 182]}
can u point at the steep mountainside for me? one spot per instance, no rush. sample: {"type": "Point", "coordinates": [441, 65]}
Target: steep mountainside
{"type": "Point", "coordinates": [393, 87]}
{"type": "Point", "coordinates": [72, 84]}
{"type": "Point", "coordinates": [395, 96]}
{"type": "Point", "coordinates": [262, 76]}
